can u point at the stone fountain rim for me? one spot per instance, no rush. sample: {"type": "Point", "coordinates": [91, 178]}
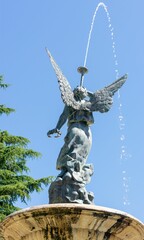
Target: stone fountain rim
{"type": "Point", "coordinates": [72, 206]}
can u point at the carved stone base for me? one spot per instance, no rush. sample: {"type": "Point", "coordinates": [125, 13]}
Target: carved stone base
{"type": "Point", "coordinates": [71, 222]}
{"type": "Point", "coordinates": [69, 186]}
{"type": "Point", "coordinates": [66, 190]}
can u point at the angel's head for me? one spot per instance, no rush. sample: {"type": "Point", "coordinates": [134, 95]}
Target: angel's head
{"type": "Point", "coordinates": [80, 93]}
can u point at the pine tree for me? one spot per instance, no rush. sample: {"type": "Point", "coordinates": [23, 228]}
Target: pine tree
{"type": "Point", "coordinates": [14, 182]}
{"type": "Point", "coordinates": [3, 108]}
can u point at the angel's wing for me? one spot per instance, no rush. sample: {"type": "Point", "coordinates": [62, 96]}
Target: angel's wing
{"type": "Point", "coordinates": [112, 88]}
{"type": "Point", "coordinates": [65, 88]}
{"type": "Point", "coordinates": [99, 101]}
{"type": "Point", "coordinates": [102, 100]}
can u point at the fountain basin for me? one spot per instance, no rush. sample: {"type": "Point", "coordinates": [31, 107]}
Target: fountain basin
{"type": "Point", "coordinates": [71, 221]}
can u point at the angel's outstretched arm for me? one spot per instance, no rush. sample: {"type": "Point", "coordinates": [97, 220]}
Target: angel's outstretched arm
{"type": "Point", "coordinates": [62, 119]}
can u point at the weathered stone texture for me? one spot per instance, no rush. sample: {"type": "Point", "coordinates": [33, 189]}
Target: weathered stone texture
{"type": "Point", "coordinates": [71, 221]}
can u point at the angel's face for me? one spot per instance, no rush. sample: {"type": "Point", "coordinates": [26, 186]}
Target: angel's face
{"type": "Point", "coordinates": [80, 93]}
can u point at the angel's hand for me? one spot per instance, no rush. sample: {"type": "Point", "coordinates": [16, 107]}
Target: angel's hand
{"type": "Point", "coordinates": [55, 130]}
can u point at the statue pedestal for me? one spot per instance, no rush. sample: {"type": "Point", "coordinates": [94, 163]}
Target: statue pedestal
{"type": "Point", "coordinates": [71, 221]}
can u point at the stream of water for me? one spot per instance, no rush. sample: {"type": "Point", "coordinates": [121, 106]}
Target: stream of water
{"type": "Point", "coordinates": [123, 151]}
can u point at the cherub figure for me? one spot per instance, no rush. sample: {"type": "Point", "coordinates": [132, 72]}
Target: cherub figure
{"type": "Point", "coordinates": [78, 112]}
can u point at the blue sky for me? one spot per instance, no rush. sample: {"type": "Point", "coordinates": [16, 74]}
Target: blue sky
{"type": "Point", "coordinates": [27, 27]}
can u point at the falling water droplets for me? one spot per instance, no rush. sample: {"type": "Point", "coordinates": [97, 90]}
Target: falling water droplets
{"type": "Point", "coordinates": [122, 138]}
{"type": "Point", "coordinates": [124, 156]}
{"type": "Point", "coordinates": [126, 188]}
{"type": "Point", "coordinates": [123, 153]}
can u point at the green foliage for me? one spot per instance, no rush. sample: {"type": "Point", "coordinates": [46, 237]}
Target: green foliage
{"type": "Point", "coordinates": [6, 110]}
{"type": "Point", "coordinates": [14, 182]}
{"type": "Point", "coordinates": [2, 84]}
{"type": "Point", "coordinates": [3, 108]}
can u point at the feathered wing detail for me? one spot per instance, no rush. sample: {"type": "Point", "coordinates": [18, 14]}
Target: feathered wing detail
{"type": "Point", "coordinates": [65, 88]}
{"type": "Point", "coordinates": [101, 100]}
{"type": "Point", "coordinates": [112, 88]}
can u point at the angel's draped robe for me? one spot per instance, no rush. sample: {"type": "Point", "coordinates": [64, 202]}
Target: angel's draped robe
{"type": "Point", "coordinates": [77, 142]}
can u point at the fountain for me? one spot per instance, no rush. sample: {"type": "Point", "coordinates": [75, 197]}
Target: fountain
{"type": "Point", "coordinates": [71, 221]}
{"type": "Point", "coordinates": [71, 213]}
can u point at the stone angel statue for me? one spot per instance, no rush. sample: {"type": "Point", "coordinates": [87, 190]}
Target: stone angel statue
{"type": "Point", "coordinates": [78, 113]}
